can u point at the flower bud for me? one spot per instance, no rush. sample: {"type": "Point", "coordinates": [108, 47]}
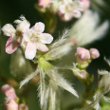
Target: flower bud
{"type": "Point", "coordinates": [9, 92]}
{"type": "Point", "coordinates": [44, 3]}
{"type": "Point", "coordinates": [82, 54]}
{"type": "Point", "coordinates": [85, 4]}
{"type": "Point", "coordinates": [94, 53]}
{"type": "Point", "coordinates": [82, 57]}
{"type": "Point", "coordinates": [11, 105]}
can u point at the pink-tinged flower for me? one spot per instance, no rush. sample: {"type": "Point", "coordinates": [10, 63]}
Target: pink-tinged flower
{"type": "Point", "coordinates": [11, 105]}
{"type": "Point", "coordinates": [22, 25]}
{"type": "Point", "coordinates": [35, 40]}
{"type": "Point", "coordinates": [83, 54]}
{"type": "Point", "coordinates": [11, 44]}
{"type": "Point", "coordinates": [85, 4]}
{"type": "Point", "coordinates": [44, 3]}
{"type": "Point", "coordinates": [15, 35]}
{"type": "Point", "coordinates": [9, 92]}
{"type": "Point", "coordinates": [23, 107]}
{"type": "Point", "coordinates": [69, 9]}
{"type": "Point", "coordinates": [94, 53]}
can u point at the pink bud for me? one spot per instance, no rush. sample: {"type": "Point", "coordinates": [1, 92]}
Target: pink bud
{"type": "Point", "coordinates": [9, 92]}
{"type": "Point", "coordinates": [44, 3]}
{"type": "Point", "coordinates": [11, 105]}
{"type": "Point", "coordinates": [23, 107]}
{"type": "Point", "coordinates": [85, 4]}
{"type": "Point", "coordinates": [82, 54]}
{"type": "Point", "coordinates": [94, 53]}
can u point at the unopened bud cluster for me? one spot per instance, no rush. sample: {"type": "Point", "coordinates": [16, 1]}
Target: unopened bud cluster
{"type": "Point", "coordinates": [83, 59]}
{"type": "Point", "coordinates": [11, 99]}
{"type": "Point", "coordinates": [84, 56]}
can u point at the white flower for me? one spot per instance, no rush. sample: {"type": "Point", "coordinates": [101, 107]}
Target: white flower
{"type": "Point", "coordinates": [69, 9]}
{"type": "Point", "coordinates": [15, 35]}
{"type": "Point", "coordinates": [35, 40]}
{"type": "Point", "coordinates": [94, 53]}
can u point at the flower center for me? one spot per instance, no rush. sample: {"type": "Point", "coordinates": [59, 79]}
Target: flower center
{"type": "Point", "coordinates": [18, 36]}
{"type": "Point", "coordinates": [35, 38]}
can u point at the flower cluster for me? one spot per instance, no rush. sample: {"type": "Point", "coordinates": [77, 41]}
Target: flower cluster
{"type": "Point", "coordinates": [83, 59]}
{"type": "Point", "coordinates": [29, 39]}
{"type": "Point", "coordinates": [66, 9]}
{"type": "Point", "coordinates": [44, 3]}
{"type": "Point", "coordinates": [11, 101]}
{"type": "Point", "coordinates": [49, 65]}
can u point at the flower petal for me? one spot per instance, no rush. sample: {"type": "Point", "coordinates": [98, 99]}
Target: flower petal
{"type": "Point", "coordinates": [8, 30]}
{"type": "Point", "coordinates": [77, 14]}
{"type": "Point", "coordinates": [42, 47]}
{"type": "Point", "coordinates": [39, 27]}
{"type": "Point", "coordinates": [30, 51]}
{"type": "Point", "coordinates": [46, 38]}
{"type": "Point", "coordinates": [11, 46]}
{"type": "Point", "coordinates": [23, 26]}
{"type": "Point", "coordinates": [61, 9]}
{"type": "Point", "coordinates": [44, 3]}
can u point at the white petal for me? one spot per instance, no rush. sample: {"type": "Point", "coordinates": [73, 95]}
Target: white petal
{"type": "Point", "coordinates": [62, 9]}
{"type": "Point", "coordinates": [39, 27]}
{"type": "Point", "coordinates": [30, 51]}
{"type": "Point", "coordinates": [46, 38]}
{"type": "Point", "coordinates": [42, 47]}
{"type": "Point", "coordinates": [77, 14]}
{"type": "Point", "coordinates": [23, 26]}
{"type": "Point", "coordinates": [8, 30]}
{"type": "Point", "coordinates": [27, 35]}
